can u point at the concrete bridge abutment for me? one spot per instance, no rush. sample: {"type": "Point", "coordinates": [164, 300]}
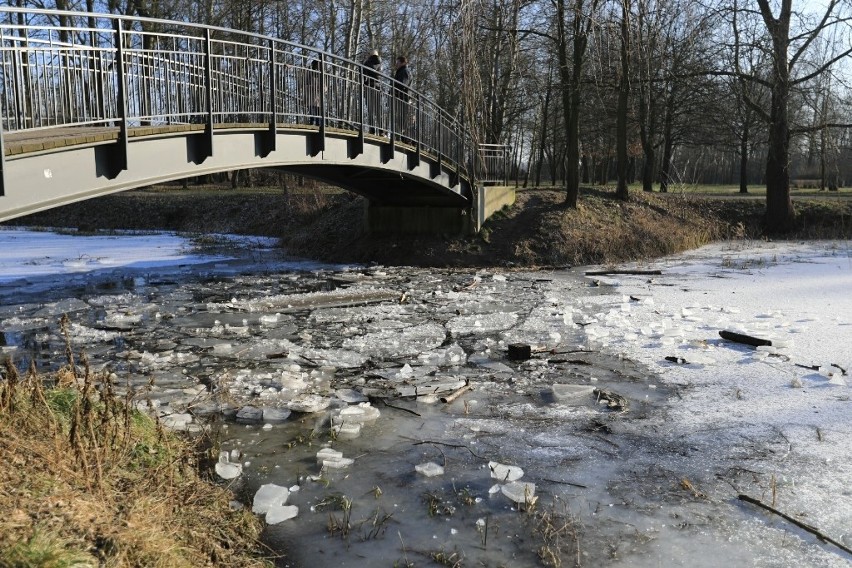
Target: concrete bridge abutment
{"type": "Point", "coordinates": [436, 220]}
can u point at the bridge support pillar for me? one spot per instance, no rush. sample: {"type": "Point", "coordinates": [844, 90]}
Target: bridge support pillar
{"type": "Point", "coordinates": [422, 220]}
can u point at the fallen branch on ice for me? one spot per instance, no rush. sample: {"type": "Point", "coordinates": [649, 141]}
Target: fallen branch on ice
{"type": "Point", "coordinates": [819, 534]}
{"type": "Point", "coordinates": [742, 338]}
{"type": "Point", "coordinates": [626, 272]}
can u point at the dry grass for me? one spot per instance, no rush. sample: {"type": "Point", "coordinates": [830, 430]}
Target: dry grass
{"type": "Point", "coordinates": [90, 481]}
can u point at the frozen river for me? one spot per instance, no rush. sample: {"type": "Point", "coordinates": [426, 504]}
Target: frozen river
{"type": "Point", "coordinates": [596, 450]}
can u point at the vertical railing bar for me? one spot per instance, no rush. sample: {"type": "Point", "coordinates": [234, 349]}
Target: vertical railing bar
{"type": "Point", "coordinates": [273, 97]}
{"type": "Point", "coordinates": [4, 112]}
{"type": "Point", "coordinates": [417, 118]}
{"type": "Point", "coordinates": [17, 79]}
{"type": "Point", "coordinates": [208, 90]}
{"type": "Point", "coordinates": [392, 98]}
{"type": "Point", "coordinates": [361, 102]}
{"type": "Point", "coordinates": [121, 143]}
{"type": "Point", "coordinates": [322, 94]}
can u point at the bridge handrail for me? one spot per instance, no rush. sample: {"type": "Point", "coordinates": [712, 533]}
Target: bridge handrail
{"type": "Point", "coordinates": [129, 71]}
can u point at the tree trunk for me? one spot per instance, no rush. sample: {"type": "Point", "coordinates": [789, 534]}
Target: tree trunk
{"type": "Point", "coordinates": [668, 140]}
{"type": "Point", "coordinates": [623, 96]}
{"type": "Point", "coordinates": [570, 85]}
{"type": "Point", "coordinates": [544, 111]}
{"type": "Point", "coordinates": [648, 169]}
{"type": "Point", "coordinates": [744, 159]}
{"type": "Point", "coordinates": [780, 215]}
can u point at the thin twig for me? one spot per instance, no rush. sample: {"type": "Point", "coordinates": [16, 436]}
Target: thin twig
{"type": "Point", "coordinates": [449, 446]}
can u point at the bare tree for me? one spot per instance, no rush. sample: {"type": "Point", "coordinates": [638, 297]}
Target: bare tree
{"type": "Point", "coordinates": [792, 37]}
{"type": "Point", "coordinates": [572, 46]}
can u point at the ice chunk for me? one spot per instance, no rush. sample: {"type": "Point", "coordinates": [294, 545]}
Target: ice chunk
{"type": "Point", "coordinates": [249, 415]}
{"type": "Point", "coordinates": [280, 513]}
{"type": "Point", "coordinates": [429, 469]}
{"type": "Point", "coordinates": [227, 470]}
{"type": "Point", "coordinates": [520, 492]}
{"type": "Point", "coordinates": [269, 319]}
{"type": "Point", "coordinates": [337, 463]}
{"type": "Point", "coordinates": [350, 395]}
{"type": "Point", "coordinates": [176, 421]}
{"type": "Point", "coordinates": [268, 496]}
{"type": "Point", "coordinates": [566, 393]}
{"type": "Point", "coordinates": [347, 430]}
{"type": "Point", "coordinates": [505, 472]}
{"type": "Point", "coordinates": [309, 403]}
{"type": "Point", "coordinates": [327, 454]}
{"type": "Point", "coordinates": [361, 413]}
{"type": "Point", "coordinates": [223, 349]}
{"type": "Point", "coordinates": [275, 415]}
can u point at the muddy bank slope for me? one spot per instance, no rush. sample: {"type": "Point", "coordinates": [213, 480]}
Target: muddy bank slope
{"type": "Point", "coordinates": [537, 231]}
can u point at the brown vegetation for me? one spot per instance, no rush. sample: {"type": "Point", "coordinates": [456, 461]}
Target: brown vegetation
{"type": "Point", "coordinates": [90, 481]}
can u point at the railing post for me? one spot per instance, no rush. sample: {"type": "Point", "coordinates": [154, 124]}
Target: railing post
{"type": "Point", "coordinates": [17, 74]}
{"type": "Point", "coordinates": [417, 117]}
{"type": "Point", "coordinates": [323, 100]}
{"type": "Point", "coordinates": [119, 155]}
{"type": "Point", "coordinates": [207, 147]}
{"type": "Point", "coordinates": [361, 102]}
{"type": "Point", "coordinates": [272, 135]}
{"type": "Point", "coordinates": [392, 107]}
{"type": "Point", "coordinates": [2, 151]}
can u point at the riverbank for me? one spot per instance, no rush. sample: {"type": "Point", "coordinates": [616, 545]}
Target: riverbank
{"type": "Point", "coordinates": [537, 232]}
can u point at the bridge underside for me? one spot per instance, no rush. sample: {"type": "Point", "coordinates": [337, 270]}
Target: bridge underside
{"type": "Point", "coordinates": [380, 186]}
{"type": "Point", "coordinates": [42, 174]}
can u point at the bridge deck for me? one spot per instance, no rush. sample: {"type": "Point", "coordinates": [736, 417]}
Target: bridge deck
{"type": "Point", "coordinates": [51, 139]}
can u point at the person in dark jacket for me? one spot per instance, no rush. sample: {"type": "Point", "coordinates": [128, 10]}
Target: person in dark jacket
{"type": "Point", "coordinates": [372, 91]}
{"type": "Point", "coordinates": [311, 84]}
{"type": "Point", "coordinates": [402, 80]}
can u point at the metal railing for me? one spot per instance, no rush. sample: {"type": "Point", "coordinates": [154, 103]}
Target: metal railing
{"type": "Point", "coordinates": [60, 68]}
{"type": "Point", "coordinates": [493, 165]}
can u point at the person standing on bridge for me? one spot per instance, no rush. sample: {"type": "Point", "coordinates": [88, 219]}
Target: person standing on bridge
{"type": "Point", "coordinates": [402, 80]}
{"type": "Point", "coordinates": [372, 90]}
{"type": "Point", "coordinates": [311, 87]}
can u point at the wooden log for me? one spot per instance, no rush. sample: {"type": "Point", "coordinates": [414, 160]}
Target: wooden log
{"type": "Point", "coordinates": [519, 351]}
{"type": "Point", "coordinates": [451, 397]}
{"type": "Point", "coordinates": [742, 338]}
{"type": "Point", "coordinates": [625, 272]}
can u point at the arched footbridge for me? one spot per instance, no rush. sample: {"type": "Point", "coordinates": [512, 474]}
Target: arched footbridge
{"type": "Point", "coordinates": [97, 103]}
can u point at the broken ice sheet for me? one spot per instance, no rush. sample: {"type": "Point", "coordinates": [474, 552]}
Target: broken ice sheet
{"type": "Point", "coordinates": [280, 513]}
{"type": "Point", "coordinates": [394, 344]}
{"type": "Point", "coordinates": [453, 355]}
{"type": "Point", "coordinates": [309, 403]}
{"type": "Point", "coordinates": [522, 493]}
{"type": "Point", "coordinates": [429, 469]}
{"type": "Point", "coordinates": [571, 393]}
{"type": "Point", "coordinates": [481, 323]}
{"type": "Point", "coordinates": [269, 495]}
{"type": "Point", "coordinates": [227, 470]}
{"type": "Point", "coordinates": [429, 385]}
{"type": "Point", "coordinates": [504, 472]}
{"type": "Point", "coordinates": [350, 395]}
